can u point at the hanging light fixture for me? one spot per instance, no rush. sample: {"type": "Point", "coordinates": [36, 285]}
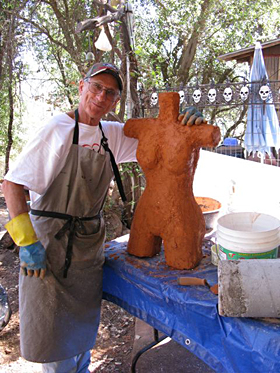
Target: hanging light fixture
{"type": "Point", "coordinates": [89, 55]}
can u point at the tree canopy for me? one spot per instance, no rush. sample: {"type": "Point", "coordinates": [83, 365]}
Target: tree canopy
{"type": "Point", "coordinates": [175, 43]}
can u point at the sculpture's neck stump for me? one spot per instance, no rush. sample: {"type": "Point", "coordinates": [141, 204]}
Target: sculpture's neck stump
{"type": "Point", "coordinates": [168, 107]}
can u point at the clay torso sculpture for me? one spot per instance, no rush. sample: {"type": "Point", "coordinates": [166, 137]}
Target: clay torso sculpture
{"type": "Point", "coordinates": [168, 153]}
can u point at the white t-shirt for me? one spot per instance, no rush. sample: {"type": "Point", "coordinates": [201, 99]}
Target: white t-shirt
{"type": "Point", "coordinates": [44, 156]}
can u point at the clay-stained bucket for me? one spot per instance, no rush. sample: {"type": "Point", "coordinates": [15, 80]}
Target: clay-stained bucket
{"type": "Point", "coordinates": [210, 208]}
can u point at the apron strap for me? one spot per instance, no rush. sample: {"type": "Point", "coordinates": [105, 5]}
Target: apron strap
{"type": "Point", "coordinates": [104, 143]}
{"type": "Point", "coordinates": [76, 129]}
{"type": "Point", "coordinates": [70, 225]}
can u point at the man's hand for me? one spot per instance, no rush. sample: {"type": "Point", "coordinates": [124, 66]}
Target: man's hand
{"type": "Point", "coordinates": [33, 260]}
{"type": "Point", "coordinates": [32, 253]}
{"type": "Point", "coordinates": [191, 116]}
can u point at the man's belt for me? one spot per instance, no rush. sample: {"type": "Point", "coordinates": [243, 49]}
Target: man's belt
{"type": "Point", "coordinates": [72, 223]}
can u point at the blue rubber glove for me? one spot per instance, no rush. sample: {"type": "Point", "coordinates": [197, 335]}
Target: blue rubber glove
{"type": "Point", "coordinates": [191, 116]}
{"type": "Point", "coordinates": [33, 260]}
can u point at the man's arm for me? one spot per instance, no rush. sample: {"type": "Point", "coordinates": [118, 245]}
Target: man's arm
{"type": "Point", "coordinates": [15, 198]}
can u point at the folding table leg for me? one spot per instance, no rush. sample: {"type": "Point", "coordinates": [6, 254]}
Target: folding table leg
{"type": "Point", "coordinates": [157, 340]}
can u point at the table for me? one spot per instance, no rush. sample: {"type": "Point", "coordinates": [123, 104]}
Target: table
{"type": "Point", "coordinates": [147, 288]}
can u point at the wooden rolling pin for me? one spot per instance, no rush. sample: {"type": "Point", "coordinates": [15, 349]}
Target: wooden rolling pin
{"type": "Point", "coordinates": [197, 281]}
{"type": "Point", "coordinates": [192, 281]}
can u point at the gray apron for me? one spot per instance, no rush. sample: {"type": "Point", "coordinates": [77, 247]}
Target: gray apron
{"type": "Point", "coordinates": [59, 315]}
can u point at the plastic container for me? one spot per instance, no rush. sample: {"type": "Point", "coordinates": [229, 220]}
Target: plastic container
{"type": "Point", "coordinates": [230, 141]}
{"type": "Point", "coordinates": [248, 235]}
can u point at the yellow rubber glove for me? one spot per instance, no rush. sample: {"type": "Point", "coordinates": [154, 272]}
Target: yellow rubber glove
{"type": "Point", "coordinates": [21, 230]}
{"type": "Point", "coordinates": [31, 253]}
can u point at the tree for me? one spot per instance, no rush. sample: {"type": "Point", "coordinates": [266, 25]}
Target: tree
{"type": "Point", "coordinates": [10, 70]}
{"type": "Point", "coordinates": [53, 33]}
{"type": "Point", "coordinates": [180, 42]}
{"type": "Point", "coordinates": [120, 14]}
{"type": "Point", "coordinates": [176, 43]}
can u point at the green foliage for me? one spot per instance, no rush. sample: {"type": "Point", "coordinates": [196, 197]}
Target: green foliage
{"type": "Point", "coordinates": [129, 167]}
{"type": "Point", "coordinates": [174, 34]}
{"type": "Point", "coordinates": [4, 109]}
{"type": "Point", "coordinates": [164, 29]}
{"type": "Point", "coordinates": [11, 45]}
{"type": "Point", "coordinates": [165, 32]}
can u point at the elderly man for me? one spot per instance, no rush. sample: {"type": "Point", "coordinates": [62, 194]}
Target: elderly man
{"type": "Point", "coordinates": [67, 168]}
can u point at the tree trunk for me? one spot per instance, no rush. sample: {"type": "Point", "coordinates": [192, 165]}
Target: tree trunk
{"type": "Point", "coordinates": [11, 115]}
{"type": "Point", "coordinates": [190, 47]}
{"type": "Point", "coordinates": [232, 128]}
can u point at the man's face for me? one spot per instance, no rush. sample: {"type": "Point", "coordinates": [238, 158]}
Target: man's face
{"type": "Point", "coordinates": [94, 106]}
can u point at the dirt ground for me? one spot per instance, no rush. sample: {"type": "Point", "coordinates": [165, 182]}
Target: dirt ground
{"type": "Point", "coordinates": [114, 344]}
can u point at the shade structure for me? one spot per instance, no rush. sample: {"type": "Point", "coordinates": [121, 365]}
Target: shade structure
{"type": "Point", "coordinates": [262, 131]}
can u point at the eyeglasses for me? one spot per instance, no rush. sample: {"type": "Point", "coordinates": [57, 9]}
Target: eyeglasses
{"type": "Point", "coordinates": [97, 89]}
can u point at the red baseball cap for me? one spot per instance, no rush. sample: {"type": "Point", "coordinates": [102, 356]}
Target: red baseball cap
{"type": "Point", "coordinates": [108, 68]}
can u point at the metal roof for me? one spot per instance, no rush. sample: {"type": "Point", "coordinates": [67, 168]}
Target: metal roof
{"type": "Point", "coordinates": [243, 55]}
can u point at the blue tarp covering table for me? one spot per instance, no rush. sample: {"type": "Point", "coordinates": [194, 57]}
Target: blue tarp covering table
{"type": "Point", "coordinates": [147, 288]}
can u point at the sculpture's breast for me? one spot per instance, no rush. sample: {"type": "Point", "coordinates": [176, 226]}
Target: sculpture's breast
{"type": "Point", "coordinates": [148, 151]}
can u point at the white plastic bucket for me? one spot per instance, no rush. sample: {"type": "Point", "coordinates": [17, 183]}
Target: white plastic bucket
{"type": "Point", "coordinates": [255, 247]}
{"type": "Point", "coordinates": [248, 235]}
{"type": "Point", "coordinates": [248, 224]}
{"type": "Point", "coordinates": [256, 243]}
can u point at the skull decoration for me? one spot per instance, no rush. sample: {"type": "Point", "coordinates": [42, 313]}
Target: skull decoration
{"type": "Point", "coordinates": [182, 96]}
{"type": "Point", "coordinates": [212, 94]}
{"type": "Point", "coordinates": [154, 99]}
{"type": "Point", "coordinates": [227, 94]}
{"type": "Point", "coordinates": [264, 92]}
{"type": "Point", "coordinates": [244, 93]}
{"type": "Point", "coordinates": [196, 95]}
